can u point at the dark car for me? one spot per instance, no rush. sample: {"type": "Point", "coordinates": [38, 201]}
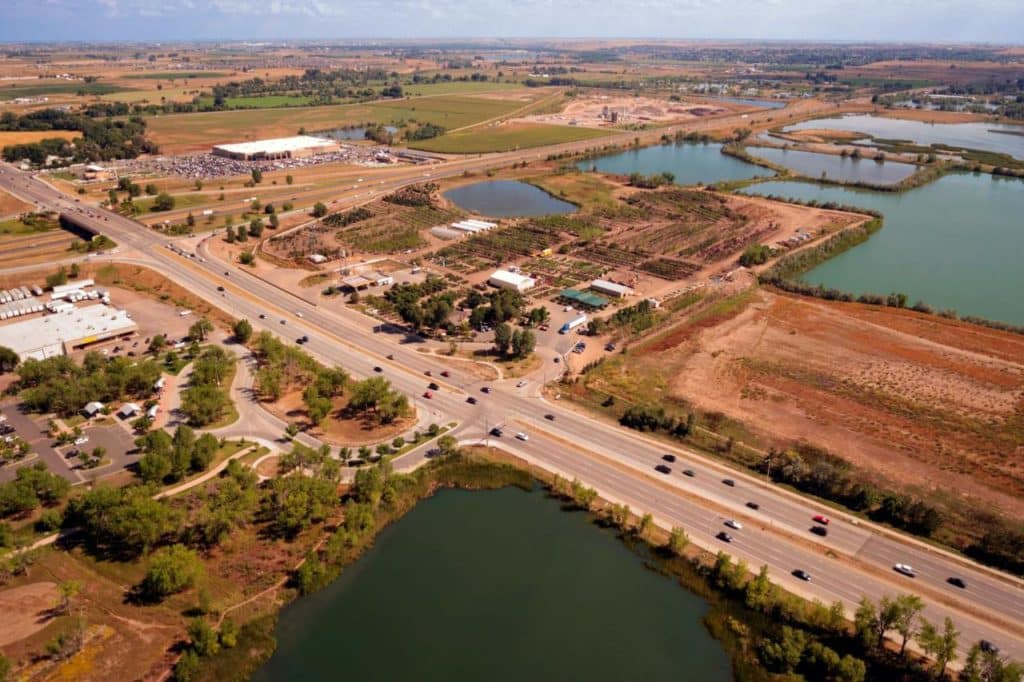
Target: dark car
{"type": "Point", "coordinates": [471, 400]}
{"type": "Point", "coordinates": [429, 373]}
{"type": "Point", "coordinates": [802, 574]}
{"type": "Point", "coordinates": [661, 468]}
{"type": "Point", "coordinates": [689, 472]}
{"type": "Point", "coordinates": [220, 288]}
{"type": "Point", "coordinates": [378, 369]}
{"type": "Point", "coordinates": [283, 322]}
{"type": "Point", "coordinates": [669, 458]}
{"type": "Point", "coordinates": [305, 338]}
{"type": "Point", "coordinates": [299, 341]}
{"type": "Point", "coordinates": [753, 505]}
{"type": "Point", "coordinates": [496, 432]}
{"type": "Point", "coordinates": [432, 386]}
{"type": "Point", "coordinates": [445, 373]}
{"type": "Point", "coordinates": [729, 482]}
{"type": "Point", "coordinates": [71, 453]}
{"type": "Point", "coordinates": [391, 357]}
{"type": "Point", "coordinates": [550, 417]}
{"type": "Point", "coordinates": [988, 647]}
{"type": "Point", "coordinates": [227, 274]}
{"type": "Point", "coordinates": [957, 582]}
{"type": "Point", "coordinates": [485, 389]}
{"type": "Point", "coordinates": [724, 537]}
{"type": "Point", "coordinates": [819, 530]}
{"type": "Point", "coordinates": [263, 316]}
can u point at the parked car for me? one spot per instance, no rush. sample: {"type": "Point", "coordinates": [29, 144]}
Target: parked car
{"type": "Point", "coordinates": [802, 574]}
{"type": "Point", "coordinates": [485, 389]}
{"type": "Point", "coordinates": [905, 569]}
{"type": "Point", "coordinates": [81, 440]}
{"type": "Point", "coordinates": [522, 382]}
{"type": "Point", "coordinates": [988, 647]}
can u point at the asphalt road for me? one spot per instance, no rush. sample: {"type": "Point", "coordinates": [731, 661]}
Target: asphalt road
{"type": "Point", "coordinates": [619, 463]}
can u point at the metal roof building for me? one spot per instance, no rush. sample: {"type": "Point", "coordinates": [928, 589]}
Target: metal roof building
{"type": "Point", "coordinates": [296, 147]}
{"type": "Point", "coordinates": [60, 333]}
{"type": "Point", "coordinates": [503, 279]}
{"type": "Point", "coordinates": [611, 288]}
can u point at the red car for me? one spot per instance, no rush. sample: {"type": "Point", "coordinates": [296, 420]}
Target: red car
{"type": "Point", "coordinates": [445, 373]}
{"type": "Point", "coordinates": [428, 394]}
{"type": "Point", "coordinates": [823, 520]}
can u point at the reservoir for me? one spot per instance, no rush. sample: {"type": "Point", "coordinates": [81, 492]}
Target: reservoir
{"type": "Point", "coordinates": [506, 199]}
{"type": "Point", "coordinates": [692, 164]}
{"type": "Point", "coordinates": [497, 585]}
{"type": "Point", "coordinates": [953, 243]}
{"type": "Point", "coordinates": [991, 137]}
{"type": "Point", "coordinates": [352, 133]}
{"type": "Point", "coordinates": [835, 167]}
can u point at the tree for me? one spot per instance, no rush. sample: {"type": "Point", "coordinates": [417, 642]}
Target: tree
{"type": "Point", "coordinates": [784, 654]}
{"type": "Point", "coordinates": [58, 278]}
{"type": "Point", "coordinates": [941, 646]}
{"type": "Point", "coordinates": [151, 189]}
{"type": "Point", "coordinates": [247, 257]}
{"type": "Point", "coordinates": [872, 623]}
{"type": "Point", "coordinates": [203, 637]}
{"type": "Point", "coordinates": [908, 608]}
{"type": "Point", "coordinates": [257, 175]}
{"type": "Point", "coordinates": [256, 228]}
{"type": "Point", "coordinates": [68, 590]}
{"type": "Point", "coordinates": [203, 404]}
{"type": "Point", "coordinates": [172, 569]}
{"type": "Point", "coordinates": [759, 590]}
{"type": "Point", "coordinates": [274, 221]}
{"type": "Point", "coordinates": [8, 360]}
{"type": "Point", "coordinates": [319, 209]}
{"type": "Point", "coordinates": [289, 179]}
{"type": "Point", "coordinates": [242, 331]}
{"type": "Point", "coordinates": [163, 202]}
{"type": "Point", "coordinates": [646, 525]}
{"type": "Point", "coordinates": [190, 220]}
{"type": "Point", "coordinates": [157, 343]}
{"type": "Point", "coordinates": [502, 338]}
{"type": "Point", "coordinates": [447, 445]}
{"type": "Point", "coordinates": [523, 343]}
{"type": "Point", "coordinates": [188, 666]}
{"type": "Point", "coordinates": [677, 541]}
{"type": "Point", "coordinates": [199, 329]}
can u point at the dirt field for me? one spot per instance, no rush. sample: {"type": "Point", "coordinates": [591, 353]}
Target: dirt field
{"type": "Point", "coordinates": [610, 110]}
{"type": "Point", "coordinates": [336, 428]}
{"type": "Point", "coordinates": [31, 136]}
{"type": "Point", "coordinates": [11, 205]}
{"type": "Point", "coordinates": [940, 71]}
{"type": "Point", "coordinates": [912, 398]}
{"type": "Point", "coordinates": [27, 609]}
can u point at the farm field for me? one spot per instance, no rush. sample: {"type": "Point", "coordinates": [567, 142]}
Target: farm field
{"type": "Point", "coordinates": [174, 75]}
{"type": "Point", "coordinates": [263, 102]}
{"type": "Point", "coordinates": [459, 87]}
{"type": "Point", "coordinates": [9, 92]}
{"type": "Point", "coordinates": [503, 138]}
{"type": "Point", "coordinates": [187, 132]}
{"type": "Point", "coordinates": [153, 96]}
{"type": "Point", "coordinates": [30, 136]}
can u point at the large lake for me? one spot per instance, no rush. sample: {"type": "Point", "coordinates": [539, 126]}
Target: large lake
{"type": "Point", "coordinates": [507, 198]}
{"type": "Point", "coordinates": [1009, 139]}
{"type": "Point", "coordinates": [691, 163]}
{"type": "Point", "coordinates": [954, 243]}
{"type": "Point", "coordinates": [835, 167]}
{"type": "Point", "coordinates": [498, 585]}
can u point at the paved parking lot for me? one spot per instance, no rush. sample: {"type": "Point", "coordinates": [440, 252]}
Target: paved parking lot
{"type": "Point", "coordinates": [112, 437]}
{"type": "Point", "coordinates": [33, 429]}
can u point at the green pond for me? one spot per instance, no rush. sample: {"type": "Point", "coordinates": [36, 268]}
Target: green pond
{"type": "Point", "coordinates": [691, 164]}
{"type": "Point", "coordinates": [506, 199]}
{"type": "Point", "coordinates": [954, 243]}
{"type": "Point", "coordinates": [497, 585]}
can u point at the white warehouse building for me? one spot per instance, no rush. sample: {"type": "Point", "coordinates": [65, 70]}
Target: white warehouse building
{"type": "Point", "coordinates": [503, 279]}
{"type": "Point", "coordinates": [65, 331]}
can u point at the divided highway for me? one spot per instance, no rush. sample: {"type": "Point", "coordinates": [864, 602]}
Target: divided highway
{"type": "Point", "coordinates": [853, 560]}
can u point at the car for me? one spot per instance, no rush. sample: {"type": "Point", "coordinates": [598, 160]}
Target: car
{"type": "Point", "coordinates": [81, 440]}
{"type": "Point", "coordinates": [724, 537]}
{"type": "Point", "coordinates": [550, 417]}
{"type": "Point", "coordinates": [428, 373]}
{"type": "Point", "coordinates": [957, 582]}
{"type": "Point", "coordinates": [131, 354]}
{"type": "Point", "coordinates": [609, 347]}
{"type": "Point", "coordinates": [557, 360]}
{"type": "Point", "coordinates": [299, 341]}
{"type": "Point", "coordinates": [496, 432]}
{"type": "Point", "coordinates": [428, 395]}
{"type": "Point", "coordinates": [988, 647]}
{"type": "Point", "coordinates": [820, 530]}
{"type": "Point", "coordinates": [663, 469]}
{"type": "Point", "coordinates": [220, 288]}
{"type": "Point", "coordinates": [378, 369]}
{"type": "Point", "coordinates": [298, 314]}
{"type": "Point", "coordinates": [446, 373]}
{"type": "Point", "coordinates": [227, 274]}
{"type": "Point", "coordinates": [823, 520]}
{"type": "Point", "coordinates": [485, 389]}
{"type": "Point", "coordinates": [432, 386]}
{"type": "Point", "coordinates": [471, 400]}
{"type": "Point", "coordinates": [689, 472]}
{"type": "Point", "coordinates": [729, 482]}
{"type": "Point", "coordinates": [734, 524]}
{"type": "Point", "coordinates": [753, 505]}
{"type": "Point", "coordinates": [390, 356]}
{"type": "Point", "coordinates": [905, 569]}
{"type": "Point", "coordinates": [802, 574]}
{"type": "Point", "coordinates": [543, 327]}
{"type": "Point", "coordinates": [283, 322]}
{"type": "Point", "coordinates": [263, 316]}
{"type": "Point", "coordinates": [521, 383]}
{"type": "Point", "coordinates": [669, 458]}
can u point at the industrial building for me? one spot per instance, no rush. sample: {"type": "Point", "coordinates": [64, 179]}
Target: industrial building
{"type": "Point", "coordinates": [611, 288]}
{"type": "Point", "coordinates": [297, 147]}
{"type": "Point", "coordinates": [503, 279]}
{"type": "Point", "coordinates": [65, 331]}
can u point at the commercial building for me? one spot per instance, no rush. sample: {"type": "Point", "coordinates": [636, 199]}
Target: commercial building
{"type": "Point", "coordinates": [611, 288]}
{"type": "Point", "coordinates": [503, 279]}
{"type": "Point", "coordinates": [61, 333]}
{"type": "Point", "coordinates": [297, 147]}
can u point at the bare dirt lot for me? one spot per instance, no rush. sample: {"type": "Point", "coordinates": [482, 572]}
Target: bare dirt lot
{"type": "Point", "coordinates": [27, 609]}
{"type": "Point", "coordinates": [337, 428]}
{"type": "Point", "coordinates": [915, 399]}
{"type": "Point", "coordinates": [10, 205]}
{"type": "Point", "coordinates": [609, 110]}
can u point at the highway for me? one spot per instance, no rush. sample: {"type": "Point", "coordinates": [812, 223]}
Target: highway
{"type": "Point", "coordinates": [853, 560]}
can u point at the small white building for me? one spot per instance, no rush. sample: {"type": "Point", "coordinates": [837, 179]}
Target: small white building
{"type": "Point", "coordinates": [504, 279]}
{"type": "Point", "coordinates": [92, 409]}
{"type": "Point", "coordinates": [611, 288]}
{"type": "Point", "coordinates": [128, 410]}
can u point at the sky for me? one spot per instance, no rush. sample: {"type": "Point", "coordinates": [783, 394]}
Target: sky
{"type": "Point", "coordinates": [997, 21]}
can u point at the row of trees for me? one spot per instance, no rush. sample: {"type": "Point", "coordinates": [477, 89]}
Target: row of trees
{"type": "Point", "coordinates": [101, 140]}
{"type": "Point", "coordinates": [61, 386]}
{"type": "Point", "coordinates": [166, 459]}
{"type": "Point", "coordinates": [205, 400]}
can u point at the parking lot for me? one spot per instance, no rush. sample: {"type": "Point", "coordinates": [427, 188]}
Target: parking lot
{"type": "Point", "coordinates": [114, 438]}
{"type": "Point", "coordinates": [33, 429]}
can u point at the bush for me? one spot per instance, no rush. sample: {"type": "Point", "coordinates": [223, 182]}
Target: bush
{"type": "Point", "coordinates": [172, 569]}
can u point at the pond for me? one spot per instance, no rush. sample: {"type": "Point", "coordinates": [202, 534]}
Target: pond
{"type": "Point", "coordinates": [506, 199]}
{"type": "Point", "coordinates": [351, 133]}
{"type": "Point", "coordinates": [993, 137]}
{"type": "Point", "coordinates": [764, 103]}
{"type": "Point", "coordinates": [835, 167]}
{"type": "Point", "coordinates": [692, 164]}
{"type": "Point", "coordinates": [497, 585]}
{"type": "Point", "coordinates": [954, 243]}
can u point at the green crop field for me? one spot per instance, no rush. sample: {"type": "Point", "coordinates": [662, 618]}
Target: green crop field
{"type": "Point", "coordinates": [173, 75]}
{"type": "Point", "coordinates": [153, 96]}
{"type": "Point", "coordinates": [185, 132]}
{"type": "Point", "coordinates": [506, 138]}
{"type": "Point", "coordinates": [459, 87]}
{"type": "Point", "coordinates": [9, 92]}
{"type": "Point", "coordinates": [180, 201]}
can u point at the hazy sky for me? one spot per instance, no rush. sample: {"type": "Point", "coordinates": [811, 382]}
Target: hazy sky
{"type": "Point", "coordinates": [880, 20]}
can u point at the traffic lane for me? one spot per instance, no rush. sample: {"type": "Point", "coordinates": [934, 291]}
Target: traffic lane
{"type": "Point", "coordinates": [831, 579]}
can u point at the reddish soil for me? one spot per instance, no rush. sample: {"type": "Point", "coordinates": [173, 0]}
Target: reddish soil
{"type": "Point", "coordinates": [337, 428]}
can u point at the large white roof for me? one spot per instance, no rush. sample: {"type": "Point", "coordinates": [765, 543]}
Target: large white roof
{"type": "Point", "coordinates": [43, 337]}
{"type": "Point", "coordinates": [513, 278]}
{"type": "Point", "coordinates": [276, 145]}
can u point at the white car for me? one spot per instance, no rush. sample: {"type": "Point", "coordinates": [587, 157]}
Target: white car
{"type": "Point", "coordinates": [522, 436]}
{"type": "Point", "coordinates": [298, 314]}
{"type": "Point", "coordinates": [905, 569]}
{"type": "Point", "coordinates": [735, 525]}
{"type": "Point", "coordinates": [521, 383]}
{"type": "Point", "coordinates": [81, 440]}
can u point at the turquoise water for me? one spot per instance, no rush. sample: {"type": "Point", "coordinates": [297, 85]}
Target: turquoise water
{"type": "Point", "coordinates": [691, 163]}
{"type": "Point", "coordinates": [499, 585]}
{"type": "Point", "coordinates": [813, 164]}
{"type": "Point", "coordinates": [507, 198]}
{"type": "Point", "coordinates": [955, 243]}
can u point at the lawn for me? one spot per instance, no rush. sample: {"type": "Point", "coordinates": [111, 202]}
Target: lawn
{"type": "Point", "coordinates": [18, 227]}
{"type": "Point", "coordinates": [262, 102]}
{"type": "Point", "coordinates": [61, 88]}
{"type": "Point", "coordinates": [182, 132]}
{"type": "Point", "coordinates": [180, 201]}
{"type": "Point", "coordinates": [154, 95]}
{"type": "Point", "coordinates": [507, 138]}
{"type": "Point", "coordinates": [459, 87]}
